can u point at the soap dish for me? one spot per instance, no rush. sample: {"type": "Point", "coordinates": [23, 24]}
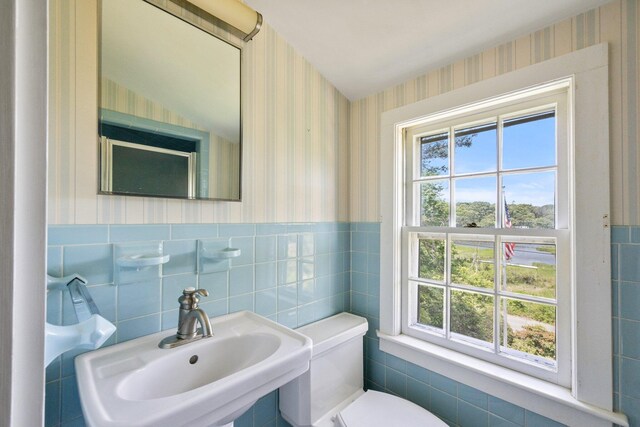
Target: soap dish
{"type": "Point", "coordinates": [215, 255]}
{"type": "Point", "coordinates": [225, 253]}
{"type": "Point", "coordinates": [137, 261]}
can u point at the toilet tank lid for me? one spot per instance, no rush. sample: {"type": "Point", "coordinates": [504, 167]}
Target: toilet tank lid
{"type": "Point", "coordinates": [332, 331]}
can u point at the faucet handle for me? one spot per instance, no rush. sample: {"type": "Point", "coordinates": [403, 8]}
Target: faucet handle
{"type": "Point", "coordinates": [189, 299]}
{"type": "Point", "coordinates": [192, 291]}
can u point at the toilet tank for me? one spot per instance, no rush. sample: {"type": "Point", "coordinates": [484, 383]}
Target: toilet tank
{"type": "Point", "coordinates": [335, 371]}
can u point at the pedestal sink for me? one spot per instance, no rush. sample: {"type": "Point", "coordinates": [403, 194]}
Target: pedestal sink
{"type": "Point", "coordinates": [209, 382]}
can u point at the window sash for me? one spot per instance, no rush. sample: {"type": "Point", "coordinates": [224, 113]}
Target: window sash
{"type": "Point", "coordinates": [559, 374]}
{"type": "Point", "coordinates": [539, 103]}
{"type": "Point", "coordinates": [561, 235]}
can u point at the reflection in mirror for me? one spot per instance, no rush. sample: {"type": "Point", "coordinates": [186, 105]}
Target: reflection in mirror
{"type": "Point", "coordinates": [170, 114]}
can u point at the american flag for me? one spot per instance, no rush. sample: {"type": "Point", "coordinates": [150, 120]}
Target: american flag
{"type": "Point", "coordinates": [509, 247]}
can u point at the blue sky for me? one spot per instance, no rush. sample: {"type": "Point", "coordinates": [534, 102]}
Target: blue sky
{"type": "Point", "coordinates": [525, 145]}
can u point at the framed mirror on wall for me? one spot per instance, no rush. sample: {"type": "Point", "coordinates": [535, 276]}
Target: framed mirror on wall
{"type": "Point", "coordinates": [170, 121]}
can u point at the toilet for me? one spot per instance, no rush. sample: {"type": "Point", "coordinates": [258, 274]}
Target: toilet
{"type": "Point", "coordinates": [330, 393]}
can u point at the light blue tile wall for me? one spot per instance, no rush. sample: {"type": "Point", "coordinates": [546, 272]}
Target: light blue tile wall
{"type": "Point", "coordinates": [345, 275]}
{"type": "Point", "coordinates": [454, 402]}
{"type": "Point", "coordinates": [312, 261]}
{"type": "Point", "coordinates": [625, 262]}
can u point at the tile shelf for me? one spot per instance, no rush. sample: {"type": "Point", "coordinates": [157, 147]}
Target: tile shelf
{"type": "Point", "coordinates": [139, 261]}
{"type": "Point", "coordinates": [222, 254]}
{"type": "Point", "coordinates": [215, 255]}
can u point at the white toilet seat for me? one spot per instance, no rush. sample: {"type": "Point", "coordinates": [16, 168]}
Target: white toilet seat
{"type": "Point", "coordinates": [375, 409]}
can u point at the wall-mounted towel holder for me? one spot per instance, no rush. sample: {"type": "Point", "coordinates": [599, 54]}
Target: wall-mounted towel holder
{"type": "Point", "coordinates": [91, 331]}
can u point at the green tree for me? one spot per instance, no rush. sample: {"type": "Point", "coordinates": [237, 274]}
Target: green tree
{"type": "Point", "coordinates": [435, 209]}
{"type": "Point", "coordinates": [472, 315]}
{"type": "Point", "coordinates": [436, 147]}
{"type": "Point", "coordinates": [527, 215]}
{"type": "Point", "coordinates": [431, 304]}
{"type": "Point", "coordinates": [431, 259]}
{"type": "Point", "coordinates": [483, 214]}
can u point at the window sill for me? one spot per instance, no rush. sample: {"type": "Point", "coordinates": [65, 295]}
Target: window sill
{"type": "Point", "coordinates": [549, 400]}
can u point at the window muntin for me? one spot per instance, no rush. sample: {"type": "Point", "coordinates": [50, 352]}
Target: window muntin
{"type": "Point", "coordinates": [479, 302]}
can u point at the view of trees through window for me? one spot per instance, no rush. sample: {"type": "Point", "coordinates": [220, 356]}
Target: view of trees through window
{"type": "Point", "coordinates": [483, 279]}
{"type": "Point", "coordinates": [529, 326]}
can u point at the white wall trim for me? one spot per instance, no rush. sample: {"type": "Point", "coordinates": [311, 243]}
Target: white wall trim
{"type": "Point", "coordinates": [589, 69]}
{"type": "Point", "coordinates": [23, 78]}
{"type": "Point", "coordinates": [531, 393]}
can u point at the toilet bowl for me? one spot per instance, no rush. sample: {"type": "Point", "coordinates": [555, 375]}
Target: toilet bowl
{"type": "Point", "coordinates": [330, 393]}
{"type": "Point", "coordinates": [374, 408]}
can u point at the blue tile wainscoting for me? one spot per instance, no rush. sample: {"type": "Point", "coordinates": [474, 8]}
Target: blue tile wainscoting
{"type": "Point", "coordinates": [295, 274]}
{"type": "Point", "coordinates": [625, 275]}
{"type": "Point", "coordinates": [291, 273]}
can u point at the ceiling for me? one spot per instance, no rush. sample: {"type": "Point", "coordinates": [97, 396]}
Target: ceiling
{"type": "Point", "coordinates": [365, 46]}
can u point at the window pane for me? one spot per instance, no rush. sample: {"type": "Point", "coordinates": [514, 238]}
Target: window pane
{"type": "Point", "coordinates": [475, 202]}
{"type": "Point", "coordinates": [431, 259]}
{"type": "Point", "coordinates": [530, 199]}
{"type": "Point", "coordinates": [434, 203]}
{"type": "Point", "coordinates": [434, 155]}
{"type": "Point", "coordinates": [472, 263]}
{"type": "Point", "coordinates": [529, 141]}
{"type": "Point", "coordinates": [431, 306]}
{"type": "Point", "coordinates": [475, 149]}
{"type": "Point", "coordinates": [528, 327]}
{"type": "Point", "coordinates": [530, 269]}
{"type": "Point", "coordinates": [472, 315]}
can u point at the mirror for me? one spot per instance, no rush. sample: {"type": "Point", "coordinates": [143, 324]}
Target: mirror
{"type": "Point", "coordinates": [170, 112]}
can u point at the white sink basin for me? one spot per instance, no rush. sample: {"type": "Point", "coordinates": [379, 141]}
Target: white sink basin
{"type": "Point", "coordinates": [138, 384]}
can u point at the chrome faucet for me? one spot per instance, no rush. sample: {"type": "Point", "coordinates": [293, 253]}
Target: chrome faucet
{"type": "Point", "coordinates": [189, 317]}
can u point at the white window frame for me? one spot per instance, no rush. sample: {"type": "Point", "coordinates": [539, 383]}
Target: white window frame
{"type": "Point", "coordinates": [588, 399]}
{"type": "Point", "coordinates": [545, 98]}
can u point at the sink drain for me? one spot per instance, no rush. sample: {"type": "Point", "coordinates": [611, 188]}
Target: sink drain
{"type": "Point", "coordinates": [193, 359]}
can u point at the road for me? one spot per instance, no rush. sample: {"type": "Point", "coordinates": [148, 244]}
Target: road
{"type": "Point", "coordinates": [525, 253]}
{"type": "Point", "coordinates": [517, 323]}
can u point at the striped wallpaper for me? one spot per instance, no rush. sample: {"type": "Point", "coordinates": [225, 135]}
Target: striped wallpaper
{"type": "Point", "coordinates": [223, 156]}
{"type": "Point", "coordinates": [615, 23]}
{"type": "Point", "coordinates": [309, 154]}
{"type": "Point", "coordinates": [118, 98]}
{"type": "Point", "coordinates": [295, 152]}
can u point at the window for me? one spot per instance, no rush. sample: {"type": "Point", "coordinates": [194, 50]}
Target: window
{"type": "Point", "coordinates": [487, 233]}
{"type": "Point", "coordinates": [572, 383]}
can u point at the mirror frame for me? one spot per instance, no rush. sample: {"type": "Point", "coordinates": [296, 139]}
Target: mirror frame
{"type": "Point", "coordinates": [218, 29]}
